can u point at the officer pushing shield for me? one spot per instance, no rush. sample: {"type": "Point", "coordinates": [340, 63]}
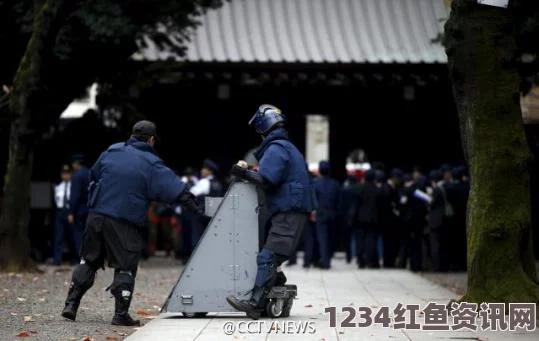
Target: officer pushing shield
{"type": "Point", "coordinates": [123, 182]}
{"type": "Point", "coordinates": [286, 182]}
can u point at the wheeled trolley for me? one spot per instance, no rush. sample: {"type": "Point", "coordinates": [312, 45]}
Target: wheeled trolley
{"type": "Point", "coordinates": [224, 260]}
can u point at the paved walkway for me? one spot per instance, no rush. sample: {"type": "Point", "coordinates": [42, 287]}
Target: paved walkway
{"type": "Point", "coordinates": [342, 286]}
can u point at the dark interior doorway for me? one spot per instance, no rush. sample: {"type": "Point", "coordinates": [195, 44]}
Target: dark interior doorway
{"type": "Point", "coordinates": [401, 123]}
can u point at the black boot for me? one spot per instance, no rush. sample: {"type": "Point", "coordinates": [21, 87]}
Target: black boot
{"type": "Point", "coordinates": [72, 302]}
{"type": "Point", "coordinates": [252, 307]}
{"type": "Point", "coordinates": [81, 280]}
{"type": "Point", "coordinates": [121, 311]}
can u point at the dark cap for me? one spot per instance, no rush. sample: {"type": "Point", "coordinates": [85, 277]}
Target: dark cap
{"type": "Point", "coordinates": [435, 175]}
{"type": "Point", "coordinates": [66, 169]}
{"type": "Point", "coordinates": [210, 165]}
{"type": "Point", "coordinates": [397, 173]}
{"type": "Point", "coordinates": [370, 175]}
{"type": "Point", "coordinates": [380, 175]}
{"type": "Point", "coordinates": [144, 128]}
{"type": "Point", "coordinates": [324, 167]}
{"type": "Point", "coordinates": [445, 168]}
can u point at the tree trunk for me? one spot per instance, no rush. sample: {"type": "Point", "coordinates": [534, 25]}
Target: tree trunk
{"type": "Point", "coordinates": [26, 103]}
{"type": "Point", "coordinates": [481, 48]}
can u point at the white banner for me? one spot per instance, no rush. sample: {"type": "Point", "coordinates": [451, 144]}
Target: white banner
{"type": "Point", "coordinates": [317, 140]}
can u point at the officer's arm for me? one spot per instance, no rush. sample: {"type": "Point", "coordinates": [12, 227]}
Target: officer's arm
{"type": "Point", "coordinates": [188, 200]}
{"type": "Point", "coordinates": [165, 186]}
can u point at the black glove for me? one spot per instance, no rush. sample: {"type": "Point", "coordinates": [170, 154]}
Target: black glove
{"type": "Point", "coordinates": [188, 200]}
{"type": "Point", "coordinates": [238, 171]}
{"type": "Point", "coordinates": [248, 175]}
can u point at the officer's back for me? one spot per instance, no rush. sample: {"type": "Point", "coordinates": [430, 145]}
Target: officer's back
{"type": "Point", "coordinates": [123, 182]}
{"type": "Point", "coordinates": [283, 166]}
{"type": "Point", "coordinates": [127, 177]}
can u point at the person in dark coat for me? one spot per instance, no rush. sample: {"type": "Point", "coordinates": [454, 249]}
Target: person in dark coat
{"type": "Point", "coordinates": [368, 207]}
{"type": "Point", "coordinates": [123, 182]}
{"type": "Point", "coordinates": [78, 202]}
{"type": "Point", "coordinates": [414, 211]}
{"type": "Point", "coordinates": [311, 254]}
{"type": "Point", "coordinates": [459, 194]}
{"type": "Point", "coordinates": [348, 191]}
{"type": "Point", "coordinates": [438, 232]}
{"type": "Point", "coordinates": [390, 220]}
{"type": "Point", "coordinates": [289, 200]}
{"type": "Point", "coordinates": [327, 192]}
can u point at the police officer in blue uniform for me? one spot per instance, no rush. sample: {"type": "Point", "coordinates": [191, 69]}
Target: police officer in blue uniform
{"type": "Point", "coordinates": [123, 182]}
{"type": "Point", "coordinates": [328, 194]}
{"type": "Point", "coordinates": [287, 186]}
{"type": "Point", "coordinates": [78, 201]}
{"type": "Point", "coordinates": [62, 192]}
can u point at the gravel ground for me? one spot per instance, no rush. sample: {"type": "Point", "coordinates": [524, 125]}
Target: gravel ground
{"type": "Point", "coordinates": [32, 303]}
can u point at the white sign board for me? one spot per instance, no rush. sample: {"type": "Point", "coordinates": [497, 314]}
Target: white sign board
{"type": "Point", "coordinates": [497, 3]}
{"type": "Point", "coordinates": [317, 140]}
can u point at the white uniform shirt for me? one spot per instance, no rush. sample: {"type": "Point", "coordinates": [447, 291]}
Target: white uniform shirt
{"type": "Point", "coordinates": [60, 191]}
{"type": "Point", "coordinates": [202, 187]}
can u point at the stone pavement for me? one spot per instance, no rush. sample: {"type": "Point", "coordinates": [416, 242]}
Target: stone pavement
{"type": "Point", "coordinates": [344, 285]}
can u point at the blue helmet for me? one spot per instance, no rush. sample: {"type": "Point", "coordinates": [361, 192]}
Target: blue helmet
{"type": "Point", "coordinates": [265, 118]}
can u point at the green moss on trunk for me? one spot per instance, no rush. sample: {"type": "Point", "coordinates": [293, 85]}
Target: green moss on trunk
{"type": "Point", "coordinates": [14, 243]}
{"type": "Point", "coordinates": [26, 103]}
{"type": "Point", "coordinates": [481, 49]}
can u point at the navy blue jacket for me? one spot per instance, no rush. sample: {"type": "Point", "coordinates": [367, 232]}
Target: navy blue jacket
{"type": "Point", "coordinates": [284, 168]}
{"type": "Point", "coordinates": [78, 199]}
{"type": "Point", "coordinates": [127, 177]}
{"type": "Point", "coordinates": [328, 193]}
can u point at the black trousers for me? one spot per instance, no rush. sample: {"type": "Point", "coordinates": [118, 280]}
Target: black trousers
{"type": "Point", "coordinates": [310, 243]}
{"type": "Point", "coordinates": [391, 244]}
{"type": "Point", "coordinates": [366, 238]}
{"type": "Point", "coordinates": [119, 242]}
{"type": "Point", "coordinates": [284, 231]}
{"type": "Point", "coordinates": [439, 248]}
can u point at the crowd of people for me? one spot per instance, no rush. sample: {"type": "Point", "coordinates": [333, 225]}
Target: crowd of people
{"type": "Point", "coordinates": [396, 220]}
{"type": "Point", "coordinates": [385, 218]}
